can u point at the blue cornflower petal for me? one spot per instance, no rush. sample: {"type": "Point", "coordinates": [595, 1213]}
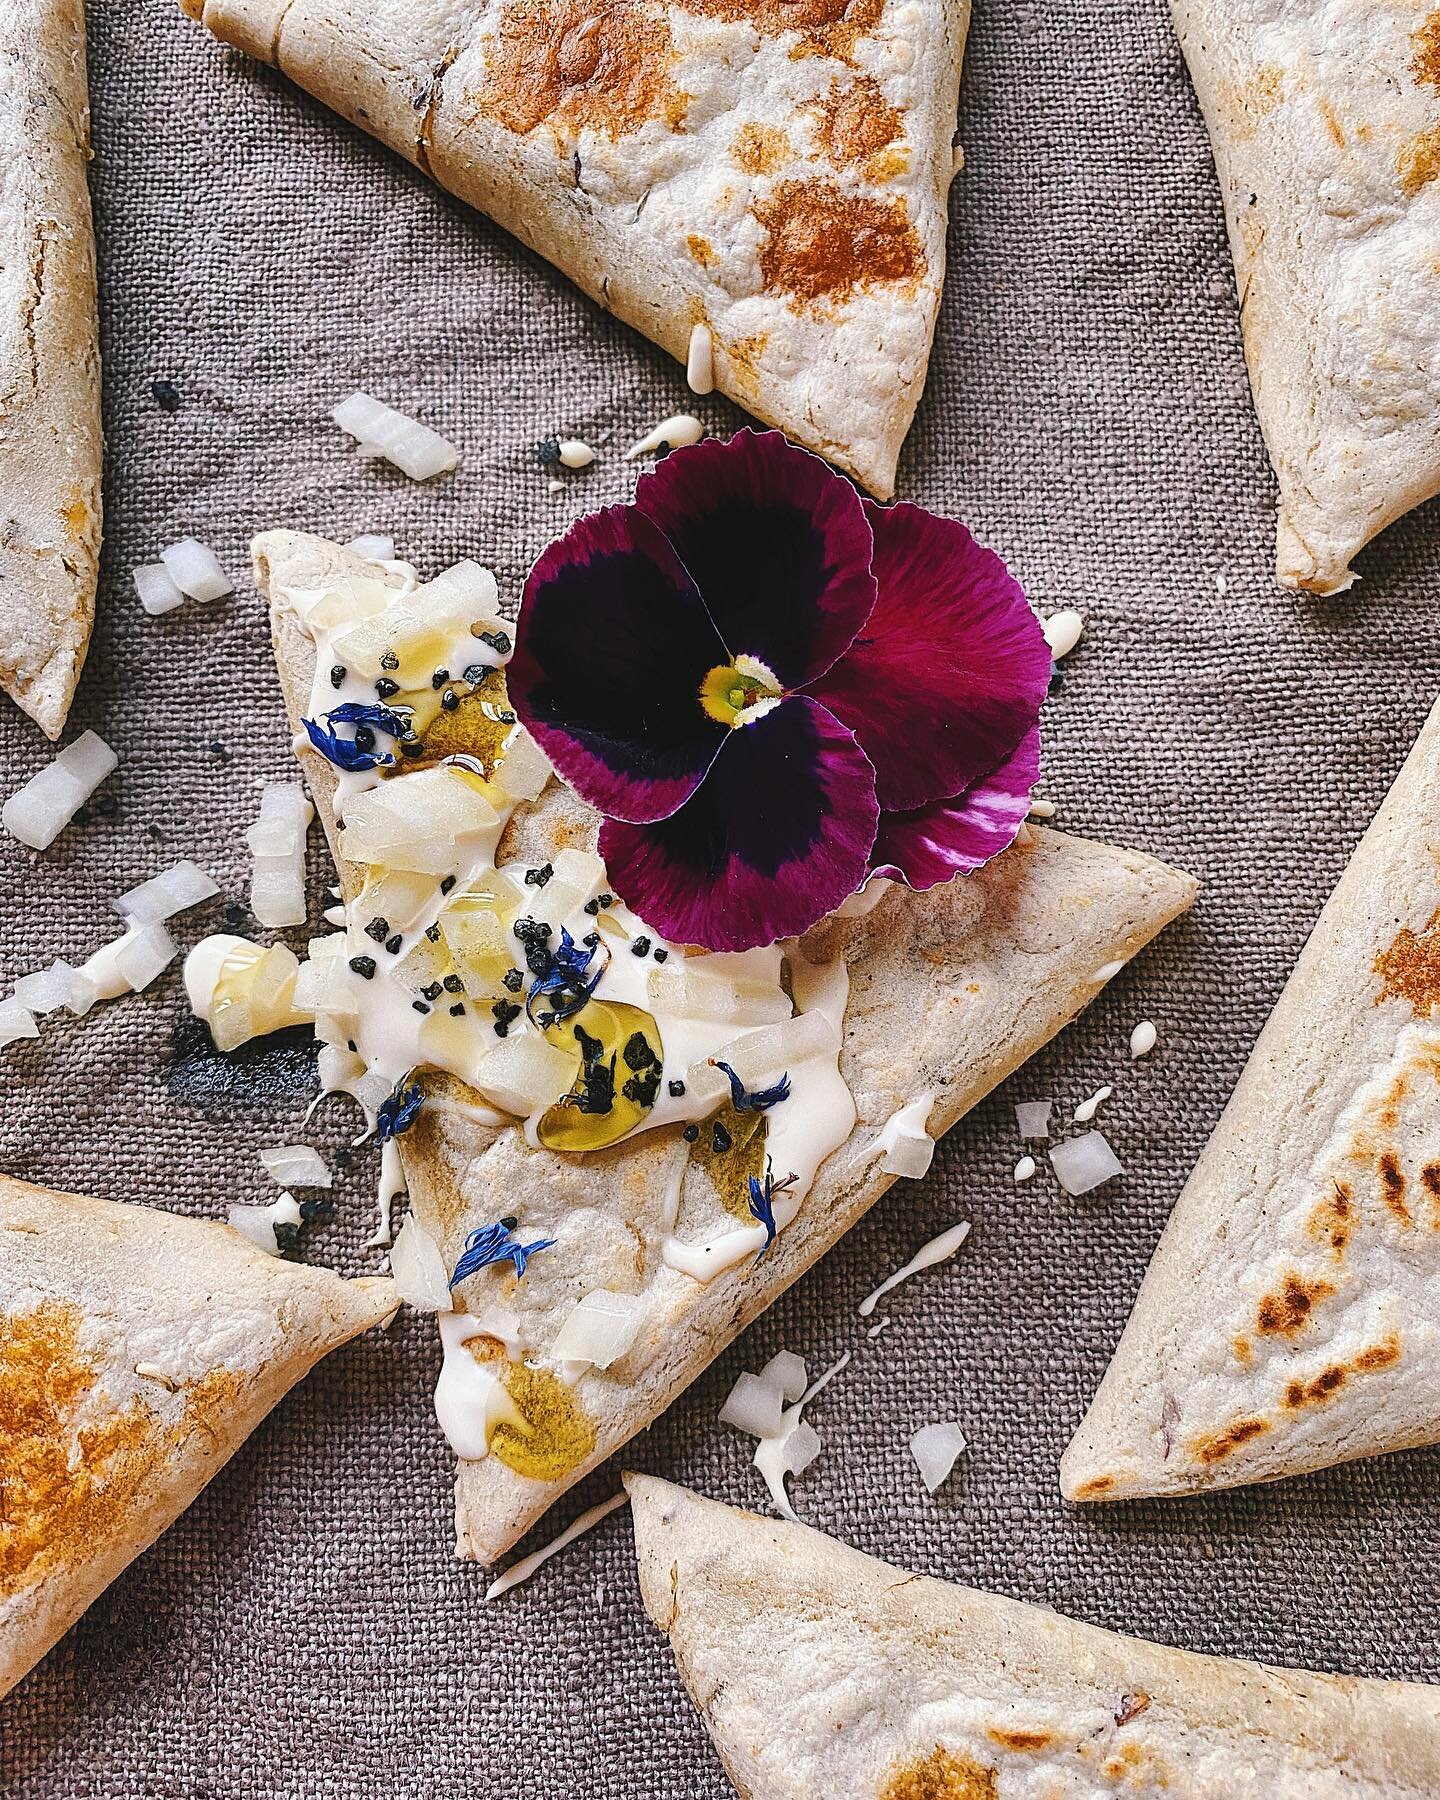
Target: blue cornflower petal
{"type": "Point", "coordinates": [568, 973]}
{"type": "Point", "coordinates": [762, 1207]}
{"type": "Point", "coordinates": [494, 1244]}
{"type": "Point", "coordinates": [398, 1113]}
{"type": "Point", "coordinates": [345, 753]}
{"type": "Point", "coordinates": [743, 1100]}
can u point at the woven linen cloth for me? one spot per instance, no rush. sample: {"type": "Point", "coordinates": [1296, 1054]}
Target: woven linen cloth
{"type": "Point", "coordinates": [305, 1629]}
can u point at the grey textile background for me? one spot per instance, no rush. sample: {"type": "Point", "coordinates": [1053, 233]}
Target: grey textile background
{"type": "Point", "coordinates": [304, 1630]}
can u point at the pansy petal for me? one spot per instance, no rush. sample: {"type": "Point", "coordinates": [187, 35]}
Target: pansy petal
{"type": "Point", "coordinates": [952, 837]}
{"type": "Point", "coordinates": [951, 670]}
{"type": "Point", "coordinates": [776, 836]}
{"type": "Point", "coordinates": [778, 545]}
{"type": "Point", "coordinates": [611, 646]}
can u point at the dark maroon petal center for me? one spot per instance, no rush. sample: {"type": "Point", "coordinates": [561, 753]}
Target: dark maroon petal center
{"type": "Point", "coordinates": [777, 835]}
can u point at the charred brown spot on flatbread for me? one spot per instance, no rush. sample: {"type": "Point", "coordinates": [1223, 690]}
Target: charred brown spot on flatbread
{"type": "Point", "coordinates": [1410, 969]}
{"type": "Point", "coordinates": [1286, 1312]}
{"type": "Point", "coordinates": [824, 243]}
{"type": "Point", "coordinates": [701, 249]}
{"type": "Point", "coordinates": [604, 64]}
{"type": "Point", "coordinates": [856, 122]}
{"type": "Point", "coordinates": [1392, 1186]}
{"type": "Point", "coordinates": [941, 1776]}
{"type": "Point", "coordinates": [1097, 1485]}
{"type": "Point", "coordinates": [1330, 1380]}
{"type": "Point", "coordinates": [1333, 1220]}
{"type": "Point", "coordinates": [1417, 162]}
{"type": "Point", "coordinates": [826, 27]}
{"type": "Point", "coordinates": [72, 1464]}
{"type": "Point", "coordinates": [1023, 1743]}
{"type": "Point", "coordinates": [1425, 51]}
{"type": "Point", "coordinates": [1225, 1443]}
{"type": "Point", "coordinates": [1430, 1181]}
{"type": "Point", "coordinates": [760, 149]}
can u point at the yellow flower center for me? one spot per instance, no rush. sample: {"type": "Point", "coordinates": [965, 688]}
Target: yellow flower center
{"type": "Point", "coordinates": [740, 692]}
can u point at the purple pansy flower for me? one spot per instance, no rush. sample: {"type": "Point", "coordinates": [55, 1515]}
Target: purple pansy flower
{"type": "Point", "coordinates": [772, 688]}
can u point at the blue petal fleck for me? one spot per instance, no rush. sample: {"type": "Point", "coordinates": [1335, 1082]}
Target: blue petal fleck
{"type": "Point", "coordinates": [762, 1208]}
{"type": "Point", "coordinates": [345, 753]}
{"type": "Point", "coordinates": [494, 1244]}
{"type": "Point", "coordinates": [743, 1100]}
{"type": "Point", "coordinates": [568, 972]}
{"type": "Point", "coordinates": [398, 1112]}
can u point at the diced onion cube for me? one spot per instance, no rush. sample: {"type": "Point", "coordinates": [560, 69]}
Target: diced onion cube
{"type": "Point", "coordinates": [936, 1449]}
{"type": "Point", "coordinates": [692, 994]}
{"type": "Point", "coordinates": [16, 1021]}
{"type": "Point", "coordinates": [295, 1165]}
{"type": "Point", "coordinates": [157, 589]}
{"type": "Point", "coordinates": [798, 1449]}
{"type": "Point", "coordinates": [413, 448]}
{"type": "Point", "coordinates": [910, 1155]}
{"type": "Point", "coordinates": [600, 1328]}
{"type": "Point", "coordinates": [1033, 1118]}
{"type": "Point", "coordinates": [418, 824]}
{"type": "Point", "coordinates": [463, 594]}
{"type": "Point", "coordinates": [524, 767]}
{"type": "Point", "coordinates": [327, 986]}
{"type": "Point", "coordinates": [47, 990]}
{"type": "Point", "coordinates": [786, 1371]}
{"type": "Point", "coordinates": [419, 1269]}
{"type": "Point", "coordinates": [196, 570]}
{"type": "Point", "coordinates": [576, 875]}
{"type": "Point", "coordinates": [754, 1406]}
{"type": "Point", "coordinates": [524, 1074]}
{"type": "Point", "coordinates": [277, 896]}
{"type": "Point", "coordinates": [398, 897]}
{"type": "Point", "coordinates": [37, 813]}
{"type": "Point", "coordinates": [1084, 1163]}
{"type": "Point", "coordinates": [376, 549]}
{"type": "Point", "coordinates": [277, 844]}
{"type": "Point", "coordinates": [140, 958]}
{"type": "Point", "coordinates": [172, 891]}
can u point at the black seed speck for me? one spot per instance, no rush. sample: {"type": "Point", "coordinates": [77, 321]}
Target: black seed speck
{"type": "Point", "coordinates": [449, 700]}
{"type": "Point", "coordinates": [447, 884]}
{"type": "Point", "coordinates": [363, 966]}
{"type": "Point", "coordinates": [392, 944]}
{"type": "Point", "coordinates": [386, 688]}
{"type": "Point", "coordinates": [337, 674]}
{"type": "Point", "coordinates": [661, 954]}
{"type": "Point", "coordinates": [720, 1138]}
{"type": "Point", "coordinates": [455, 1011]}
{"type": "Point", "coordinates": [677, 1088]}
{"type": "Point", "coordinates": [691, 1133]}
{"type": "Point", "coordinates": [379, 929]}
{"type": "Point", "coordinates": [389, 660]}
{"type": "Point", "coordinates": [431, 990]}
{"type": "Point", "coordinates": [420, 1006]}
{"type": "Point", "coordinates": [454, 985]}
{"type": "Point", "coordinates": [640, 947]}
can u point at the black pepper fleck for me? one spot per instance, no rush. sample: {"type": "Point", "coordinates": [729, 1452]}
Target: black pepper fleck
{"type": "Point", "coordinates": [386, 688]}
{"type": "Point", "coordinates": [337, 674]}
{"type": "Point", "coordinates": [167, 396]}
{"type": "Point", "coordinates": [640, 947]}
{"type": "Point", "coordinates": [431, 990]}
{"type": "Point", "coordinates": [389, 660]}
{"type": "Point", "coordinates": [455, 1011]}
{"type": "Point", "coordinates": [453, 985]}
{"type": "Point", "coordinates": [420, 1006]}
{"type": "Point", "coordinates": [379, 929]}
{"type": "Point", "coordinates": [363, 966]}
{"type": "Point", "coordinates": [392, 944]}
{"type": "Point", "coordinates": [513, 979]}
{"type": "Point", "coordinates": [218, 750]}
{"type": "Point", "coordinates": [677, 1088]}
{"type": "Point", "coordinates": [439, 678]}
{"type": "Point", "coordinates": [447, 884]}
{"type": "Point", "coordinates": [720, 1138]}
{"type": "Point", "coordinates": [661, 954]}
{"type": "Point", "coordinates": [449, 700]}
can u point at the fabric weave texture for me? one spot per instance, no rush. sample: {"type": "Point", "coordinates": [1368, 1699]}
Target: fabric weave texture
{"type": "Point", "coordinates": [305, 1631]}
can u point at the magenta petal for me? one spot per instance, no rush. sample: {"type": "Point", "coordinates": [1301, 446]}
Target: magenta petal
{"type": "Point", "coordinates": [951, 670]}
{"type": "Point", "coordinates": [776, 836]}
{"type": "Point", "coordinates": [778, 545]}
{"type": "Point", "coordinates": [611, 646]}
{"type": "Point", "coordinates": [951, 837]}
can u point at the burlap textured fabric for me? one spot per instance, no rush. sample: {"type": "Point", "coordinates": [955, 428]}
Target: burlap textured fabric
{"type": "Point", "coordinates": [304, 1631]}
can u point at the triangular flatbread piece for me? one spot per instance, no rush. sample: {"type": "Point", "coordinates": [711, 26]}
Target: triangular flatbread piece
{"type": "Point", "coordinates": [138, 1350]}
{"type": "Point", "coordinates": [772, 174]}
{"type": "Point", "coordinates": [821, 1671]}
{"type": "Point", "coordinates": [1326, 129]}
{"type": "Point", "coordinates": [50, 440]}
{"type": "Point", "coordinates": [943, 995]}
{"type": "Point", "coordinates": [1290, 1318]}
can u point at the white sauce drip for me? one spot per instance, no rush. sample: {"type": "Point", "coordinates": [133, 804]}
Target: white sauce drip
{"type": "Point", "coordinates": [470, 1398]}
{"type": "Point", "coordinates": [527, 1565]}
{"type": "Point", "coordinates": [936, 1251]}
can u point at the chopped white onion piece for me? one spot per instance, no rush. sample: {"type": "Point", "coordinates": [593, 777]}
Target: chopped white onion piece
{"type": "Point", "coordinates": [258, 1222]}
{"type": "Point", "coordinates": [47, 990]}
{"type": "Point", "coordinates": [419, 1269]}
{"type": "Point", "coordinates": [172, 891]}
{"type": "Point", "coordinates": [155, 586]}
{"type": "Point", "coordinates": [277, 844]}
{"type": "Point", "coordinates": [754, 1406]}
{"type": "Point", "coordinates": [373, 547]}
{"type": "Point", "coordinates": [786, 1371]}
{"type": "Point", "coordinates": [936, 1449]}
{"type": "Point", "coordinates": [422, 824]}
{"type": "Point", "coordinates": [1033, 1117]}
{"type": "Point", "coordinates": [524, 767]}
{"type": "Point", "coordinates": [415, 449]}
{"type": "Point", "coordinates": [694, 993]}
{"type": "Point", "coordinates": [37, 813]}
{"type": "Point", "coordinates": [16, 1021]}
{"type": "Point", "coordinates": [524, 1074]}
{"type": "Point", "coordinates": [195, 570]}
{"type": "Point", "coordinates": [295, 1165]}
{"type": "Point", "coordinates": [600, 1329]}
{"type": "Point", "coordinates": [139, 959]}
{"type": "Point", "coordinates": [1084, 1163]}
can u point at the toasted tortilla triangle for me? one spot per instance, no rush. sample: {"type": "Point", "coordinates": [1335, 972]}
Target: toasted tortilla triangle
{"type": "Point", "coordinates": [138, 1350]}
{"type": "Point", "coordinates": [776, 173]}
{"type": "Point", "coordinates": [50, 440]}
{"type": "Point", "coordinates": [948, 993]}
{"type": "Point", "coordinates": [1290, 1318]}
{"type": "Point", "coordinates": [1325, 124]}
{"type": "Point", "coordinates": [821, 1671]}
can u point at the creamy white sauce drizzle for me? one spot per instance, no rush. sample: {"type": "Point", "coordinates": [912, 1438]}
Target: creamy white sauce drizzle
{"type": "Point", "coordinates": [936, 1251]}
{"type": "Point", "coordinates": [470, 1398]}
{"type": "Point", "coordinates": [527, 1565]}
